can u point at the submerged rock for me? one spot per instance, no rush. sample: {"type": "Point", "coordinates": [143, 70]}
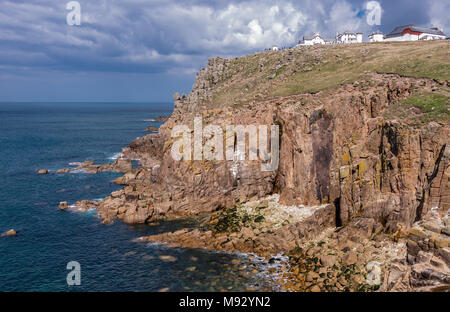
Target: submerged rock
{"type": "Point", "coordinates": [191, 269]}
{"type": "Point", "coordinates": [166, 258]}
{"type": "Point", "coordinates": [11, 232]}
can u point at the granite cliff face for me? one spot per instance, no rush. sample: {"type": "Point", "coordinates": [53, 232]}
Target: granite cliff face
{"type": "Point", "coordinates": [363, 145]}
{"type": "Point", "coordinates": [337, 147]}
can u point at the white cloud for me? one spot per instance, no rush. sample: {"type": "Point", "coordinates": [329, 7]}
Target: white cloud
{"type": "Point", "coordinates": [165, 35]}
{"type": "Point", "coordinates": [342, 17]}
{"type": "Point", "coordinates": [439, 15]}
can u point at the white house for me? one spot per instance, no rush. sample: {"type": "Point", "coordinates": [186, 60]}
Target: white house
{"type": "Point", "coordinates": [314, 39]}
{"type": "Point", "coordinates": [349, 37]}
{"type": "Point", "coordinates": [414, 33]}
{"type": "Point", "coordinates": [376, 36]}
{"type": "Point", "coordinates": [275, 48]}
{"type": "Point", "coordinates": [359, 37]}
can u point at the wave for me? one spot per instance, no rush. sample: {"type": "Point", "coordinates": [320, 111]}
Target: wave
{"type": "Point", "coordinates": [115, 156]}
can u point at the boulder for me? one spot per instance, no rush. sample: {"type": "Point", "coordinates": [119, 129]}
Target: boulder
{"type": "Point", "coordinates": [120, 181]}
{"type": "Point", "coordinates": [328, 260]}
{"type": "Point", "coordinates": [311, 276]}
{"type": "Point", "coordinates": [63, 205]}
{"type": "Point", "coordinates": [42, 171]}
{"type": "Point", "coordinates": [122, 165]}
{"type": "Point", "coordinates": [11, 232]}
{"type": "Point", "coordinates": [63, 171]}
{"type": "Point", "coordinates": [350, 258]}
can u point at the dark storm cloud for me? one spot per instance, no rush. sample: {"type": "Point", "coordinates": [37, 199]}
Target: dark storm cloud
{"type": "Point", "coordinates": [177, 36]}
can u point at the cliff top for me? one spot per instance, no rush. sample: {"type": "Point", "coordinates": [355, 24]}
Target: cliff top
{"type": "Point", "coordinates": [266, 75]}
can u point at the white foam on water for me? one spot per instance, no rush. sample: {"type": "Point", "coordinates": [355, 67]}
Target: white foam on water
{"type": "Point", "coordinates": [116, 156]}
{"type": "Point", "coordinates": [78, 171]}
{"type": "Point", "coordinates": [157, 244]}
{"type": "Point", "coordinates": [91, 211]}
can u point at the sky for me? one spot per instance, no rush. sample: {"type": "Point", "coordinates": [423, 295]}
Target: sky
{"type": "Point", "coordinates": [146, 50]}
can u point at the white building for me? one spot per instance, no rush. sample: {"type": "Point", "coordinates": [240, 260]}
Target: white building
{"type": "Point", "coordinates": [275, 48]}
{"type": "Point", "coordinates": [413, 33]}
{"type": "Point", "coordinates": [314, 39]}
{"type": "Point", "coordinates": [359, 37]}
{"type": "Point", "coordinates": [349, 37]}
{"type": "Point", "coordinates": [376, 36]}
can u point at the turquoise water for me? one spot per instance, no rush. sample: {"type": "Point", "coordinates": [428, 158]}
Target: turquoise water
{"type": "Point", "coordinates": [52, 135]}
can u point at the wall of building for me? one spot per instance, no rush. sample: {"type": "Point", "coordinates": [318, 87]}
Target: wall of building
{"type": "Point", "coordinates": [426, 36]}
{"type": "Point", "coordinates": [376, 38]}
{"type": "Point", "coordinates": [405, 37]}
{"type": "Point", "coordinates": [359, 38]}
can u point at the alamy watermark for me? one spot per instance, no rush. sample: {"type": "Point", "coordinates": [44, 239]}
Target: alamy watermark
{"type": "Point", "coordinates": [209, 143]}
{"type": "Point", "coordinates": [74, 276]}
{"type": "Point", "coordinates": [374, 13]}
{"type": "Point", "coordinates": [74, 16]}
{"type": "Point", "coordinates": [374, 276]}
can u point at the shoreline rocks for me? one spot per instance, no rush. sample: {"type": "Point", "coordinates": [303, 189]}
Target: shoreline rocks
{"type": "Point", "coordinates": [151, 129]}
{"type": "Point", "coordinates": [262, 227]}
{"type": "Point", "coordinates": [119, 165]}
{"type": "Point", "coordinates": [59, 171]}
{"type": "Point", "coordinates": [162, 118]}
{"type": "Point", "coordinates": [356, 174]}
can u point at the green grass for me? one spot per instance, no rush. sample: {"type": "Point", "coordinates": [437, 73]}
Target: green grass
{"type": "Point", "coordinates": [421, 108]}
{"type": "Point", "coordinates": [435, 105]}
{"type": "Point", "coordinates": [318, 68]}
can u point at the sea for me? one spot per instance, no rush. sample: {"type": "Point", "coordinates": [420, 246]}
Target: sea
{"type": "Point", "coordinates": [53, 136]}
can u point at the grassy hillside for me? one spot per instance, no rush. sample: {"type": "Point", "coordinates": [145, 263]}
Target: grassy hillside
{"type": "Point", "coordinates": [311, 69]}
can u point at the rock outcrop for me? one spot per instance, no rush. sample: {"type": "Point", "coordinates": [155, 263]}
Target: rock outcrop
{"type": "Point", "coordinates": [338, 149]}
{"type": "Point", "coordinates": [119, 165]}
{"type": "Point", "coordinates": [151, 129]}
{"type": "Point", "coordinates": [368, 145]}
{"type": "Point", "coordinates": [263, 227]}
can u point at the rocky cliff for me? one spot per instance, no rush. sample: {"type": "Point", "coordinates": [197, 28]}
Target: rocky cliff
{"type": "Point", "coordinates": [363, 147]}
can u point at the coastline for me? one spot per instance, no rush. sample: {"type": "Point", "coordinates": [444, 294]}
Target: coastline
{"type": "Point", "coordinates": [370, 170]}
{"type": "Point", "coordinates": [300, 265]}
